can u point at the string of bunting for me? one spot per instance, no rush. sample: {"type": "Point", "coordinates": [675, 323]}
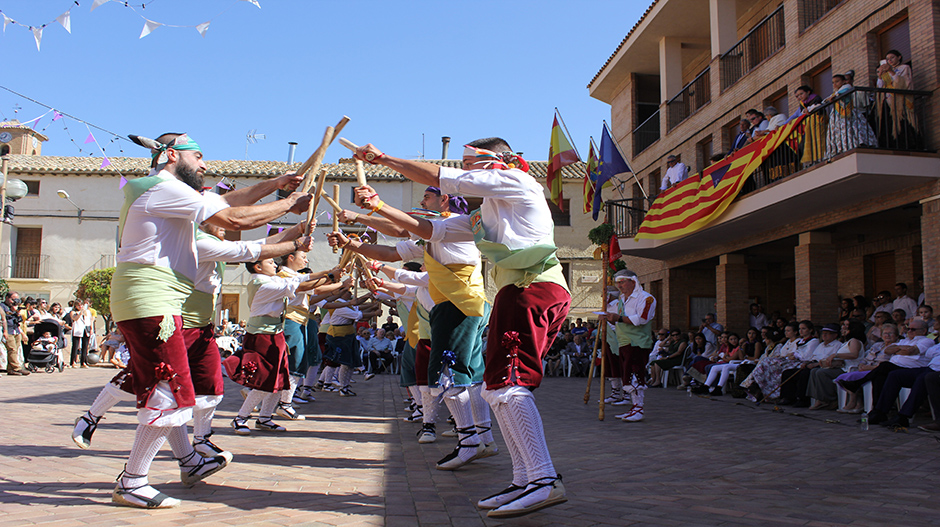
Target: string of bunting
{"type": "Point", "coordinates": [65, 19]}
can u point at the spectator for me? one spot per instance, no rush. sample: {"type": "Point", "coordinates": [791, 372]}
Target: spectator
{"type": "Point", "coordinates": [874, 333]}
{"type": "Point", "coordinates": [676, 171]}
{"type": "Point", "coordinates": [821, 385]}
{"type": "Point", "coordinates": [580, 330]}
{"type": "Point", "coordinates": [660, 346]}
{"type": "Point", "coordinates": [699, 349]}
{"type": "Point", "coordinates": [845, 311]}
{"type": "Point", "coordinates": [553, 357]}
{"type": "Point", "coordinates": [725, 366]}
{"type": "Point", "coordinates": [899, 317]}
{"type": "Point", "coordinates": [676, 347]}
{"type": "Point", "coordinates": [758, 124]}
{"type": "Point", "coordinates": [922, 297]}
{"type": "Point", "coordinates": [757, 318]}
{"type": "Point", "coordinates": [765, 379]}
{"type": "Point", "coordinates": [903, 301]}
{"type": "Point", "coordinates": [390, 325]}
{"type": "Point", "coordinates": [913, 378]}
{"type": "Point", "coordinates": [863, 303]}
{"type": "Point", "coordinates": [711, 328]}
{"type": "Point", "coordinates": [804, 94]}
{"type": "Point", "coordinates": [380, 353]}
{"type": "Point", "coordinates": [744, 132]}
{"type": "Point", "coordinates": [774, 119]}
{"type": "Point", "coordinates": [883, 302]}
{"type": "Point", "coordinates": [925, 313]}
{"type": "Point", "coordinates": [874, 357]}
{"type": "Point", "coordinates": [795, 382]}
{"type": "Point", "coordinates": [81, 332]}
{"type": "Point", "coordinates": [13, 336]}
{"type": "Point", "coordinates": [579, 354]}
{"type": "Point", "coordinates": [894, 75]}
{"type": "Point", "coordinates": [848, 124]}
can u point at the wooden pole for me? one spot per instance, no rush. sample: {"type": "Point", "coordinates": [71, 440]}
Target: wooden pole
{"type": "Point", "coordinates": [312, 208]}
{"type": "Point", "coordinates": [311, 166]}
{"type": "Point", "coordinates": [335, 218]}
{"type": "Point", "coordinates": [587, 392]}
{"type": "Point", "coordinates": [360, 173]}
{"type": "Point", "coordinates": [603, 331]}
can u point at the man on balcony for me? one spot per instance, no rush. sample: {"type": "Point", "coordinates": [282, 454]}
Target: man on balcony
{"type": "Point", "coordinates": [676, 171]}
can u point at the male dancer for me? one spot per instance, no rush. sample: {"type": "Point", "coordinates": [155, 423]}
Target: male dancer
{"type": "Point", "coordinates": [156, 269]}
{"type": "Point", "coordinates": [514, 230]}
{"type": "Point", "coordinates": [342, 347]}
{"type": "Point", "coordinates": [457, 319]}
{"type": "Point", "coordinates": [633, 311]}
{"type": "Point", "coordinates": [613, 370]}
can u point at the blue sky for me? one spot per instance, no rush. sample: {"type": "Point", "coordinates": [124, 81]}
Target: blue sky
{"type": "Point", "coordinates": [398, 69]}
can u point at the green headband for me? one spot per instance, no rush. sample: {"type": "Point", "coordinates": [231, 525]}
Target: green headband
{"type": "Point", "coordinates": [183, 142]}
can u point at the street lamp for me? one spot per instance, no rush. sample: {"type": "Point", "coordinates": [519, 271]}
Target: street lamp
{"type": "Point", "coordinates": [65, 195]}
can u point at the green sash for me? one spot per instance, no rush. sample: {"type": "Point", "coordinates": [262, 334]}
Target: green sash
{"type": "Point", "coordinates": [630, 335]}
{"type": "Point", "coordinates": [263, 325]}
{"type": "Point", "coordinates": [519, 267]}
{"type": "Point", "coordinates": [199, 308]}
{"type": "Point", "coordinates": [143, 290]}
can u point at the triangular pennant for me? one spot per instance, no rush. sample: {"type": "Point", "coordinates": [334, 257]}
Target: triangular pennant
{"type": "Point", "coordinates": [221, 184]}
{"type": "Point", "coordinates": [254, 2]}
{"type": "Point", "coordinates": [90, 138]}
{"type": "Point", "coordinates": [35, 122]}
{"type": "Point", "coordinates": [37, 34]}
{"type": "Point", "coordinates": [105, 162]}
{"type": "Point", "coordinates": [6, 20]}
{"type": "Point", "coordinates": [149, 26]}
{"type": "Point", "coordinates": [66, 20]}
{"type": "Point", "coordinates": [202, 28]}
{"type": "Point", "coordinates": [122, 183]}
{"type": "Point", "coordinates": [98, 3]}
{"type": "Point", "coordinates": [719, 173]}
{"type": "Point", "coordinates": [56, 115]}
{"type": "Point", "coordinates": [268, 233]}
{"type": "Point", "coordinates": [329, 217]}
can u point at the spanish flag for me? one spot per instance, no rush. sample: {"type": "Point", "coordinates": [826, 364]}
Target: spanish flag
{"type": "Point", "coordinates": [700, 199]}
{"type": "Point", "coordinates": [560, 155]}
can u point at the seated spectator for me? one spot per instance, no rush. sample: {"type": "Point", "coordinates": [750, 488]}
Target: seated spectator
{"type": "Point", "coordinates": [659, 347]}
{"type": "Point", "coordinates": [764, 381]}
{"type": "Point", "coordinates": [794, 387]}
{"type": "Point", "coordinates": [874, 332]}
{"type": "Point", "coordinates": [925, 313]}
{"type": "Point", "coordinates": [757, 318]}
{"type": "Point", "coordinates": [110, 345]}
{"type": "Point", "coordinates": [579, 353]}
{"type": "Point", "coordinates": [380, 352]}
{"type": "Point", "coordinates": [676, 347]}
{"type": "Point", "coordinates": [874, 357]}
{"type": "Point", "coordinates": [724, 366]}
{"type": "Point", "coordinates": [913, 378]}
{"type": "Point", "coordinates": [845, 311]}
{"type": "Point", "coordinates": [906, 353]}
{"type": "Point", "coordinates": [864, 304]}
{"type": "Point", "coordinates": [899, 317]}
{"type": "Point", "coordinates": [754, 347]}
{"type": "Point", "coordinates": [676, 171]}
{"type": "Point", "coordinates": [883, 302]}
{"type": "Point", "coordinates": [758, 124]}
{"type": "Point", "coordinates": [804, 94]}
{"type": "Point", "coordinates": [902, 301]}
{"type": "Point", "coordinates": [744, 132]}
{"type": "Point", "coordinates": [699, 350]}
{"type": "Point", "coordinates": [553, 356]}
{"type": "Point", "coordinates": [821, 385]}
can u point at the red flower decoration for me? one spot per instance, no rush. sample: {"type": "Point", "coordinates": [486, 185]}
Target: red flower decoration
{"type": "Point", "coordinates": [164, 372]}
{"type": "Point", "coordinates": [249, 369]}
{"type": "Point", "coordinates": [511, 340]}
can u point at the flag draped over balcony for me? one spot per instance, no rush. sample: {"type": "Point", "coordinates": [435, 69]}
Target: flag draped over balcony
{"type": "Point", "coordinates": [700, 199]}
{"type": "Point", "coordinates": [560, 155]}
{"type": "Point", "coordinates": [590, 179]}
{"type": "Point", "coordinates": [609, 164]}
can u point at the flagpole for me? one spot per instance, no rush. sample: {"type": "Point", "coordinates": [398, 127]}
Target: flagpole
{"type": "Point", "coordinates": [563, 125]}
{"type": "Point", "coordinates": [617, 144]}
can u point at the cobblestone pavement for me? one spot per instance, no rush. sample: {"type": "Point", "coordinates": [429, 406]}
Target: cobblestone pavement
{"type": "Point", "coordinates": [354, 462]}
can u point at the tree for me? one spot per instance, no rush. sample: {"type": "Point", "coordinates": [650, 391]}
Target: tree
{"type": "Point", "coordinates": [4, 287]}
{"type": "Point", "coordinates": [96, 287]}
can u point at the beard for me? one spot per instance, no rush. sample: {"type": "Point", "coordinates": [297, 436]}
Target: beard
{"type": "Point", "coordinates": [190, 176]}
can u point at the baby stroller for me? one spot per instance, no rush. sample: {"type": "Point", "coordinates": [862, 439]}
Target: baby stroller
{"type": "Point", "coordinates": [44, 354]}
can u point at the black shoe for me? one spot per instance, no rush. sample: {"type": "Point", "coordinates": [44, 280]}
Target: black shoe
{"type": "Point", "coordinates": [898, 421]}
{"type": "Point", "coordinates": [700, 390]}
{"type": "Point", "coordinates": [876, 417]}
{"type": "Point", "coordinates": [716, 392]}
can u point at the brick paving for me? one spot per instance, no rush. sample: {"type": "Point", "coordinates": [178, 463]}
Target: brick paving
{"type": "Point", "coordinates": [694, 461]}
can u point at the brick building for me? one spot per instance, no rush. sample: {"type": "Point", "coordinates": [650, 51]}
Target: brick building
{"type": "Point", "coordinates": [852, 222]}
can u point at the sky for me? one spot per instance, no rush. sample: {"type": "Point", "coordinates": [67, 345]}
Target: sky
{"type": "Point", "coordinates": [398, 69]}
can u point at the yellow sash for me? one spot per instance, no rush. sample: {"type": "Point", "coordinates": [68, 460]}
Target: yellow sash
{"type": "Point", "coordinates": [340, 331]}
{"type": "Point", "coordinates": [461, 284]}
{"type": "Point", "coordinates": [412, 333]}
{"type": "Point", "coordinates": [298, 314]}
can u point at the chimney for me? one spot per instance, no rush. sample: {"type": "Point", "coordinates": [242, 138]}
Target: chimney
{"type": "Point", "coordinates": [291, 146]}
{"type": "Point", "coordinates": [446, 141]}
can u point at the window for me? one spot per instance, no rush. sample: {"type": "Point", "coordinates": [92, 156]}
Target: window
{"type": "Point", "coordinates": [4, 150]}
{"type": "Point", "coordinates": [781, 101]}
{"type": "Point", "coordinates": [897, 37]}
{"type": "Point", "coordinates": [655, 179]}
{"type": "Point", "coordinates": [705, 153]}
{"type": "Point", "coordinates": [822, 80]}
{"type": "Point", "coordinates": [559, 217]}
{"type": "Point", "coordinates": [32, 188]}
{"type": "Point", "coordinates": [28, 252]}
{"type": "Point", "coordinates": [566, 271]}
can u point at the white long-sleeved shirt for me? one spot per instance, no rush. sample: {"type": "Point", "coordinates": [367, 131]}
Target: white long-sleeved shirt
{"type": "Point", "coordinates": [268, 300]}
{"type": "Point", "coordinates": [674, 174]}
{"type": "Point", "coordinates": [919, 360]}
{"type": "Point", "coordinates": [212, 250]}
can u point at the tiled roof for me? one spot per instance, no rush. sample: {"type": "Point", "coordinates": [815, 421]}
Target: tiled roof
{"type": "Point", "coordinates": [139, 166]}
{"type": "Point", "coordinates": [622, 42]}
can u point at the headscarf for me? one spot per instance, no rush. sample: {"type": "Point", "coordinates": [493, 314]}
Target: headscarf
{"type": "Point", "coordinates": [457, 204]}
{"type": "Point", "coordinates": [181, 143]}
{"type": "Point", "coordinates": [487, 159]}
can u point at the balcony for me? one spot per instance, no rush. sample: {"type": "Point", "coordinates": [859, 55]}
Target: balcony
{"type": "Point", "coordinates": [693, 96]}
{"type": "Point", "coordinates": [850, 151]}
{"type": "Point", "coordinates": [33, 266]}
{"type": "Point", "coordinates": [626, 215]}
{"type": "Point", "coordinates": [812, 10]}
{"type": "Point", "coordinates": [764, 40]}
{"type": "Point", "coordinates": [646, 134]}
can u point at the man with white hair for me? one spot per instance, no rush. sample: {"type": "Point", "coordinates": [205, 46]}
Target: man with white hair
{"type": "Point", "coordinates": [633, 312]}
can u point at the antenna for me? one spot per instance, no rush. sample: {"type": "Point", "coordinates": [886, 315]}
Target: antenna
{"type": "Point", "coordinates": [252, 137]}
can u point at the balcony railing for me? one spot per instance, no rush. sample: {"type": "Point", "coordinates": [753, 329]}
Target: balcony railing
{"type": "Point", "coordinates": [764, 40]}
{"type": "Point", "coordinates": [646, 134]}
{"type": "Point", "coordinates": [626, 215]}
{"type": "Point", "coordinates": [813, 10]}
{"type": "Point", "coordinates": [696, 94]}
{"type": "Point", "coordinates": [25, 266]}
{"type": "Point", "coordinates": [869, 118]}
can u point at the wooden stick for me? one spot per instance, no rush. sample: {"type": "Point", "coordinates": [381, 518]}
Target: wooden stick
{"type": "Point", "coordinates": [780, 386]}
{"type": "Point", "coordinates": [365, 270]}
{"type": "Point", "coordinates": [603, 335]}
{"type": "Point", "coordinates": [360, 173]}
{"type": "Point", "coordinates": [333, 203]}
{"type": "Point", "coordinates": [311, 166]}
{"type": "Point", "coordinates": [335, 217]}
{"type": "Point", "coordinates": [312, 208]}
{"type": "Point", "coordinates": [587, 392]}
{"type": "Point", "coordinates": [347, 256]}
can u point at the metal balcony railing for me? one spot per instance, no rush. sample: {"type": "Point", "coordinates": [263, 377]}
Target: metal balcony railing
{"type": "Point", "coordinates": [646, 134]}
{"type": "Point", "coordinates": [869, 118]}
{"type": "Point", "coordinates": [812, 10]}
{"type": "Point", "coordinates": [25, 266]}
{"type": "Point", "coordinates": [626, 215]}
{"type": "Point", "coordinates": [765, 39]}
{"type": "Point", "coordinates": [693, 96]}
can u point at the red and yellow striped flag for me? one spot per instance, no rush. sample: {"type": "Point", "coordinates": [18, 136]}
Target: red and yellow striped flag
{"type": "Point", "coordinates": [560, 155]}
{"type": "Point", "coordinates": [700, 199]}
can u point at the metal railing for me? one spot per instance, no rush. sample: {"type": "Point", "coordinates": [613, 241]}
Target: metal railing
{"type": "Point", "coordinates": [812, 10]}
{"type": "Point", "coordinates": [626, 215]}
{"type": "Point", "coordinates": [765, 39]}
{"type": "Point", "coordinates": [693, 96]}
{"type": "Point", "coordinates": [646, 134]}
{"type": "Point", "coordinates": [868, 118]}
{"type": "Point", "coordinates": [25, 266]}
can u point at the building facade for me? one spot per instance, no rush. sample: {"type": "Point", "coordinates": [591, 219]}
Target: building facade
{"type": "Point", "coordinates": [801, 235]}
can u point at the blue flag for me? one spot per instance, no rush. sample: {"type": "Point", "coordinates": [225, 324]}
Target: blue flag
{"type": "Point", "coordinates": [609, 164]}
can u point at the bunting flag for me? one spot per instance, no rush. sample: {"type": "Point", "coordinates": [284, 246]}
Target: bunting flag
{"type": "Point", "coordinates": [609, 164]}
{"type": "Point", "coordinates": [149, 27]}
{"type": "Point", "coordinates": [122, 182]}
{"type": "Point", "coordinates": [698, 200]}
{"type": "Point", "coordinates": [90, 138]}
{"type": "Point", "coordinates": [105, 162]}
{"type": "Point", "coordinates": [560, 155]}
{"type": "Point", "coordinates": [590, 179]}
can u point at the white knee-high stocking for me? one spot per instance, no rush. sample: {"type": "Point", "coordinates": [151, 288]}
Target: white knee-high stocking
{"type": "Point", "coordinates": [481, 414]}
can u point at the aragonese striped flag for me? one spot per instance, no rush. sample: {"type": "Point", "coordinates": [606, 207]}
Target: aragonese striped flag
{"type": "Point", "coordinates": [700, 199]}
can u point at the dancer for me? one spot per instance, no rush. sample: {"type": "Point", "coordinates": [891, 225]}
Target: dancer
{"type": "Point", "coordinates": [613, 369]}
{"type": "Point", "coordinates": [342, 348]}
{"type": "Point", "coordinates": [633, 312]}
{"type": "Point", "coordinates": [514, 230]}
{"type": "Point", "coordinates": [262, 365]}
{"type": "Point", "coordinates": [156, 269]}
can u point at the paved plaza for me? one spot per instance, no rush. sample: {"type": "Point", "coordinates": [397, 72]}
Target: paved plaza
{"type": "Point", "coordinates": [694, 461]}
